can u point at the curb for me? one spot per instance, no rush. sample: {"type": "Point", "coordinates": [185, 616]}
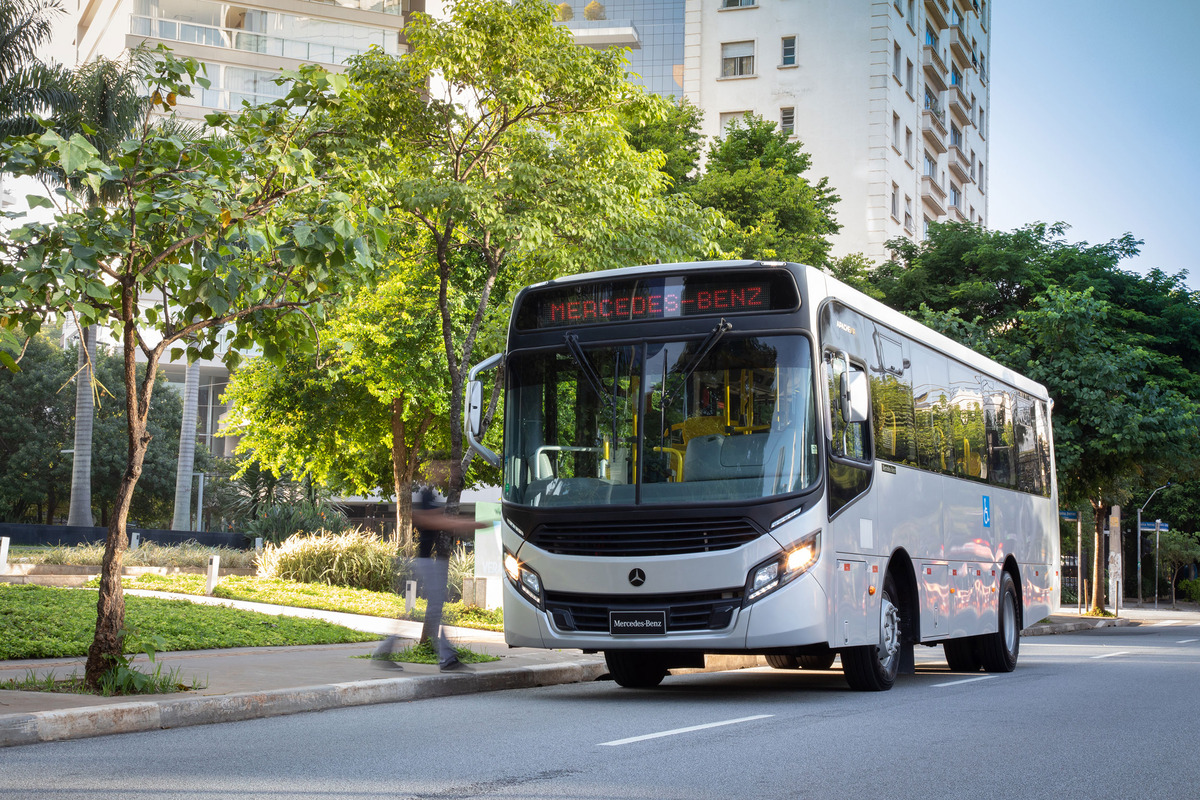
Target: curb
{"type": "Point", "coordinates": [149, 715]}
{"type": "Point", "coordinates": [1082, 625]}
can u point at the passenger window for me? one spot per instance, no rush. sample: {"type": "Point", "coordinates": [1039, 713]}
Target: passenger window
{"type": "Point", "coordinates": [849, 438]}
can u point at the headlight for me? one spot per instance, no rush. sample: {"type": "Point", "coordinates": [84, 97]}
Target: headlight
{"type": "Point", "coordinates": [783, 568]}
{"type": "Point", "coordinates": [523, 578]}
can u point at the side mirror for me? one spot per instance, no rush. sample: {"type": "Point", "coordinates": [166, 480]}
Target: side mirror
{"type": "Point", "coordinates": [473, 412]}
{"type": "Point", "coordinates": [856, 402]}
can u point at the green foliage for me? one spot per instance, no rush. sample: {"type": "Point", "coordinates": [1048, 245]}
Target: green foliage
{"type": "Point", "coordinates": [593, 10]}
{"type": "Point", "coordinates": [123, 678]}
{"type": "Point", "coordinates": [37, 423]}
{"type": "Point", "coordinates": [755, 178]}
{"type": "Point", "coordinates": [29, 86]}
{"type": "Point", "coordinates": [355, 559]}
{"type": "Point", "coordinates": [1177, 550]}
{"type": "Point", "coordinates": [43, 622]}
{"type": "Point", "coordinates": [563, 12]}
{"type": "Point", "coordinates": [1191, 589]}
{"type": "Point", "coordinates": [424, 653]}
{"type": "Point", "coordinates": [278, 522]}
{"type": "Point", "coordinates": [148, 554]}
{"type": "Point", "coordinates": [675, 134]}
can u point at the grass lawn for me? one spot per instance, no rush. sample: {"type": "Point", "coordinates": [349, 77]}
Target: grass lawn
{"type": "Point", "coordinates": [319, 596]}
{"type": "Point", "coordinates": [45, 622]}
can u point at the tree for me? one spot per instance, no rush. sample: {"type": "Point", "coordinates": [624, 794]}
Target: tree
{"type": "Point", "coordinates": [27, 85]}
{"type": "Point", "coordinates": [495, 143]}
{"type": "Point", "coordinates": [1176, 550]}
{"type": "Point", "coordinates": [676, 135]}
{"type": "Point", "coordinates": [755, 177]}
{"type": "Point", "coordinates": [226, 240]}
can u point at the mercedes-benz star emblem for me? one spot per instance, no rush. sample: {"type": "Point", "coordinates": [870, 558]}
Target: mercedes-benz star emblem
{"type": "Point", "coordinates": [637, 577]}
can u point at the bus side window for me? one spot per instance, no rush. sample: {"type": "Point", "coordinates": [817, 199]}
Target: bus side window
{"type": "Point", "coordinates": [849, 438]}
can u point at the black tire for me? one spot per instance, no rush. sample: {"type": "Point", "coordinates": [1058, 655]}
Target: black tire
{"type": "Point", "coordinates": [873, 667]}
{"type": "Point", "coordinates": [635, 670]}
{"type": "Point", "coordinates": [783, 662]}
{"type": "Point", "coordinates": [998, 651]}
{"type": "Point", "coordinates": [817, 661]}
{"type": "Point", "coordinates": [962, 654]}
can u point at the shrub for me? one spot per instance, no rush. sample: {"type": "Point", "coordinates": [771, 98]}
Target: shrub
{"type": "Point", "coordinates": [1191, 589]}
{"type": "Point", "coordinates": [148, 554]}
{"type": "Point", "coordinates": [278, 522]}
{"type": "Point", "coordinates": [462, 565]}
{"type": "Point", "coordinates": [354, 559]}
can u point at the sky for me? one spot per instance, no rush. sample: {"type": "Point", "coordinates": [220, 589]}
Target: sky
{"type": "Point", "coordinates": [1095, 122]}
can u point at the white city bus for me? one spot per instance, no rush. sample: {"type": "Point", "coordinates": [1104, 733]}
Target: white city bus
{"type": "Point", "coordinates": [750, 457]}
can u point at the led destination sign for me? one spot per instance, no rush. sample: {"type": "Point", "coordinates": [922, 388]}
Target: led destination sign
{"type": "Point", "coordinates": [656, 298]}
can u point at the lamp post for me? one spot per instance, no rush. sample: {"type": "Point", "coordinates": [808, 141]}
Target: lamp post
{"type": "Point", "coordinates": [1139, 540]}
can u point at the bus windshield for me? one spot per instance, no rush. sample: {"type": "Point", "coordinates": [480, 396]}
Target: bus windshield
{"type": "Point", "coordinates": [716, 418]}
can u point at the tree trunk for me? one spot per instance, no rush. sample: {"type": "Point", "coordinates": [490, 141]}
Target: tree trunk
{"type": "Point", "coordinates": [108, 642]}
{"type": "Point", "coordinates": [182, 519]}
{"type": "Point", "coordinates": [80, 512]}
{"type": "Point", "coordinates": [1097, 603]}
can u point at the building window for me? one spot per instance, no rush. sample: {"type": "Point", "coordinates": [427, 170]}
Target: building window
{"type": "Point", "coordinates": [931, 38]}
{"type": "Point", "coordinates": [896, 61]}
{"type": "Point", "coordinates": [730, 117]}
{"type": "Point", "coordinates": [737, 3]}
{"type": "Point", "coordinates": [908, 220]}
{"type": "Point", "coordinates": [955, 136]}
{"type": "Point", "coordinates": [908, 140]}
{"type": "Point", "coordinates": [788, 58]}
{"type": "Point", "coordinates": [911, 15]}
{"type": "Point", "coordinates": [895, 202]}
{"type": "Point", "coordinates": [930, 169]}
{"type": "Point", "coordinates": [982, 128]}
{"type": "Point", "coordinates": [955, 196]}
{"type": "Point", "coordinates": [896, 131]}
{"type": "Point", "coordinates": [972, 165]}
{"type": "Point", "coordinates": [956, 78]}
{"type": "Point", "coordinates": [908, 77]}
{"type": "Point", "coordinates": [925, 228]}
{"type": "Point", "coordinates": [787, 121]}
{"type": "Point", "coordinates": [737, 59]}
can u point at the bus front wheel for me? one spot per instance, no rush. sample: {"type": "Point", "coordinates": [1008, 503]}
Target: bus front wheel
{"type": "Point", "coordinates": [635, 670]}
{"type": "Point", "coordinates": [810, 661]}
{"type": "Point", "coordinates": [998, 651]}
{"type": "Point", "coordinates": [873, 667]}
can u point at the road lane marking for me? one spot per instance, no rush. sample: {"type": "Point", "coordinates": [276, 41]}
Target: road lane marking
{"type": "Point", "coordinates": [1187, 641]}
{"type": "Point", "coordinates": [964, 680]}
{"type": "Point", "coordinates": [1110, 655]}
{"type": "Point", "coordinates": [1166, 622]}
{"type": "Point", "coordinates": [688, 729]}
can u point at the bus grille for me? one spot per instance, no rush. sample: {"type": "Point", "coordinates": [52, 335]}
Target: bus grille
{"type": "Point", "coordinates": [699, 611]}
{"type": "Point", "coordinates": [643, 538]}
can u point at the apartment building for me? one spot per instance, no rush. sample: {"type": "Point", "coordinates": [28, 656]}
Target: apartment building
{"type": "Point", "coordinates": [242, 44]}
{"type": "Point", "coordinates": [889, 96]}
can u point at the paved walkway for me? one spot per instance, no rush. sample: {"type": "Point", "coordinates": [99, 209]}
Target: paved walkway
{"type": "Point", "coordinates": [248, 683]}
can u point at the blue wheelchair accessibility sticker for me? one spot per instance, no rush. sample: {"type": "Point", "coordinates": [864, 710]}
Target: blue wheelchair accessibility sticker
{"type": "Point", "coordinates": [987, 511]}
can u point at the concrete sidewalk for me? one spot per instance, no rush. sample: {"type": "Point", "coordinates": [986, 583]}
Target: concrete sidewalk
{"type": "Point", "coordinates": [249, 683]}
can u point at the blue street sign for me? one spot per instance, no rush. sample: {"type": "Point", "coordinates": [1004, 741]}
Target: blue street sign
{"type": "Point", "coordinates": [987, 511]}
{"type": "Point", "coordinates": [1149, 526]}
{"type": "Point", "coordinates": [1069, 516]}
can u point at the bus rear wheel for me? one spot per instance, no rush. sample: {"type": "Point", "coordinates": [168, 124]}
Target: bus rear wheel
{"type": "Point", "coordinates": [962, 655]}
{"type": "Point", "coordinates": [998, 651]}
{"type": "Point", "coordinates": [635, 670]}
{"type": "Point", "coordinates": [813, 661]}
{"type": "Point", "coordinates": [873, 667]}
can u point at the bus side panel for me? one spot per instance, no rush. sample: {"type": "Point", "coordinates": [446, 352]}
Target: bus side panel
{"type": "Point", "coordinates": [934, 580]}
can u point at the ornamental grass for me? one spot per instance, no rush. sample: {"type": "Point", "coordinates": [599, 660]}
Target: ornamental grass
{"type": "Point", "coordinates": [354, 559]}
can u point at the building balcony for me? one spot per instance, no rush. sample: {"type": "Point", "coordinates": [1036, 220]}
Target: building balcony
{"type": "Point", "coordinates": [955, 213]}
{"type": "Point", "coordinates": [246, 41]}
{"type": "Point", "coordinates": [933, 196]}
{"type": "Point", "coordinates": [935, 14]}
{"type": "Point", "coordinates": [960, 45]}
{"type": "Point", "coordinates": [934, 68]}
{"type": "Point", "coordinates": [960, 105]}
{"type": "Point", "coordinates": [933, 128]}
{"type": "Point", "coordinates": [960, 166]}
{"type": "Point", "coordinates": [602, 33]}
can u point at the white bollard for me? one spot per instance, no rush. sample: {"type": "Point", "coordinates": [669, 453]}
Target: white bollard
{"type": "Point", "coordinates": [135, 539]}
{"type": "Point", "coordinates": [258, 545]}
{"type": "Point", "coordinates": [3, 554]}
{"type": "Point", "coordinates": [214, 569]}
{"type": "Point", "coordinates": [410, 596]}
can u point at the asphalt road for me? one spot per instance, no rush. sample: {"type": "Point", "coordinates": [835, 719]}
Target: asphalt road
{"type": "Point", "coordinates": [1108, 713]}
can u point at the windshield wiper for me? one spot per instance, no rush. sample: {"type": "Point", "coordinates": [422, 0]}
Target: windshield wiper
{"type": "Point", "coordinates": [703, 350]}
{"type": "Point", "coordinates": [587, 368]}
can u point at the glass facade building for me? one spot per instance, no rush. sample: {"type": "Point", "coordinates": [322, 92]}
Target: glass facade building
{"type": "Point", "coordinates": [658, 62]}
